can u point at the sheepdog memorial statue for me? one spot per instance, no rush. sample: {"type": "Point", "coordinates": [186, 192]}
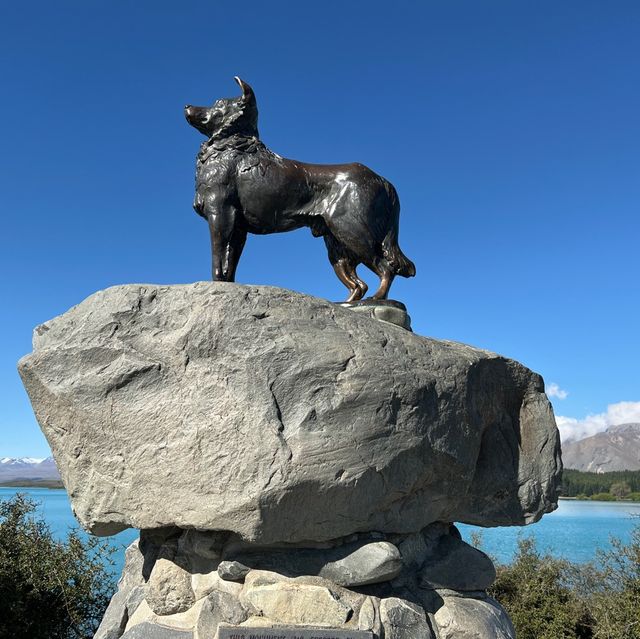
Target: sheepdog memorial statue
{"type": "Point", "coordinates": [295, 468]}
{"type": "Point", "coordinates": [243, 187]}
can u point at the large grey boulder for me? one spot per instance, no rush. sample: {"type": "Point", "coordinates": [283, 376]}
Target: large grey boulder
{"type": "Point", "coordinates": [282, 417]}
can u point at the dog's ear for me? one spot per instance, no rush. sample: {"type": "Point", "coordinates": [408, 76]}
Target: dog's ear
{"type": "Point", "coordinates": [247, 92]}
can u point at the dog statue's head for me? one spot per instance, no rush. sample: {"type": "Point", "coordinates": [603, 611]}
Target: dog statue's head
{"type": "Point", "coordinates": [227, 116]}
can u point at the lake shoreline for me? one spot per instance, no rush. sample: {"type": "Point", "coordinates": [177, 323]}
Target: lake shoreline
{"type": "Point", "coordinates": [51, 484]}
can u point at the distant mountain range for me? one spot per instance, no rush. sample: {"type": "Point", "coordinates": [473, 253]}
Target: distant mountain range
{"type": "Point", "coordinates": [617, 448]}
{"type": "Point", "coordinates": [27, 468]}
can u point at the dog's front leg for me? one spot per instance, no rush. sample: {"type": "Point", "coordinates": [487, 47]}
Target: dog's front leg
{"type": "Point", "coordinates": [227, 240]}
{"type": "Point", "coordinates": [234, 251]}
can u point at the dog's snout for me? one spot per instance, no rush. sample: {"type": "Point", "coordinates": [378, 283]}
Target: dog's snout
{"type": "Point", "coordinates": [187, 107]}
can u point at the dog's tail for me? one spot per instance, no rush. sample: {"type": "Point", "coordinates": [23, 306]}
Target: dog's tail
{"type": "Point", "coordinates": [398, 261]}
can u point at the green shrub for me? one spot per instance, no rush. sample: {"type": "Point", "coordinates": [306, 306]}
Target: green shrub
{"type": "Point", "coordinates": [634, 496]}
{"type": "Point", "coordinates": [602, 497]}
{"type": "Point", "coordinates": [49, 589]}
{"type": "Point", "coordinates": [536, 591]}
{"type": "Point", "coordinates": [549, 598]}
{"type": "Point", "coordinates": [611, 586]}
{"type": "Point", "coordinates": [620, 489]}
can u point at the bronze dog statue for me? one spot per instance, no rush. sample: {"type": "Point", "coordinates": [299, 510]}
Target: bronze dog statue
{"type": "Point", "coordinates": [243, 187]}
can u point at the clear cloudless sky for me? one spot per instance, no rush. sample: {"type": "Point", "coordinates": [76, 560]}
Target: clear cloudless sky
{"type": "Point", "coordinates": [510, 129]}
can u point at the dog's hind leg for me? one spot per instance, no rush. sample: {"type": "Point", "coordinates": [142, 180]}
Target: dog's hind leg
{"type": "Point", "coordinates": [383, 270]}
{"type": "Point", "coordinates": [343, 267]}
{"type": "Point", "coordinates": [341, 271]}
{"type": "Point", "coordinates": [352, 274]}
{"type": "Point", "coordinates": [386, 279]}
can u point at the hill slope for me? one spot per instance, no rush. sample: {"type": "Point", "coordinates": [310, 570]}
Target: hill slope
{"type": "Point", "coordinates": [617, 448]}
{"type": "Point", "coordinates": [12, 469]}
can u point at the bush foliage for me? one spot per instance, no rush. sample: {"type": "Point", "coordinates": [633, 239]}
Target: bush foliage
{"type": "Point", "coordinates": [536, 592]}
{"type": "Point", "coordinates": [603, 497]}
{"type": "Point", "coordinates": [550, 598]}
{"type": "Point", "coordinates": [49, 589]}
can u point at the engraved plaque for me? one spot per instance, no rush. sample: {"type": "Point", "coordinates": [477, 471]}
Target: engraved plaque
{"type": "Point", "coordinates": [290, 632]}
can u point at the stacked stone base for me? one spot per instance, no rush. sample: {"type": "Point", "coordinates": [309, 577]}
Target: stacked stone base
{"type": "Point", "coordinates": [185, 584]}
{"type": "Point", "coordinates": [289, 422]}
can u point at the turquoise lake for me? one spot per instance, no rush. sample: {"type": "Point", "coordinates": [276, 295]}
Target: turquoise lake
{"type": "Point", "coordinates": [575, 531]}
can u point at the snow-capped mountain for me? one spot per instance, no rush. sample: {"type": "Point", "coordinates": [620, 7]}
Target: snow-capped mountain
{"type": "Point", "coordinates": [21, 461]}
{"type": "Point", "coordinates": [28, 468]}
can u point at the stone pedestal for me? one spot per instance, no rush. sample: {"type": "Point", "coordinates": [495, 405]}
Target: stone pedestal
{"type": "Point", "coordinates": [289, 462]}
{"type": "Point", "coordinates": [426, 585]}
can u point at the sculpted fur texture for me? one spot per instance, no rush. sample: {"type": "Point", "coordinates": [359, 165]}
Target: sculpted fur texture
{"type": "Point", "coordinates": [243, 187]}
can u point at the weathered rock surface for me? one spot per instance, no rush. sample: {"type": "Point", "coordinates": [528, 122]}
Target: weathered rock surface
{"type": "Point", "coordinates": [298, 601]}
{"type": "Point", "coordinates": [219, 607]}
{"type": "Point", "coordinates": [232, 570]}
{"type": "Point", "coordinates": [403, 620]}
{"type": "Point", "coordinates": [218, 406]}
{"type": "Point", "coordinates": [185, 621]}
{"type": "Point", "coordinates": [456, 565]}
{"type": "Point", "coordinates": [405, 608]}
{"type": "Point", "coordinates": [351, 564]}
{"type": "Point", "coordinates": [153, 631]}
{"type": "Point", "coordinates": [383, 310]}
{"type": "Point", "coordinates": [126, 598]}
{"type": "Point", "coordinates": [168, 590]}
{"type": "Point", "coordinates": [369, 564]}
{"type": "Point", "coordinates": [369, 616]}
{"type": "Point", "coordinates": [466, 618]}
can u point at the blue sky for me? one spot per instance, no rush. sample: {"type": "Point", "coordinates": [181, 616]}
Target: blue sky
{"type": "Point", "coordinates": [510, 129]}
